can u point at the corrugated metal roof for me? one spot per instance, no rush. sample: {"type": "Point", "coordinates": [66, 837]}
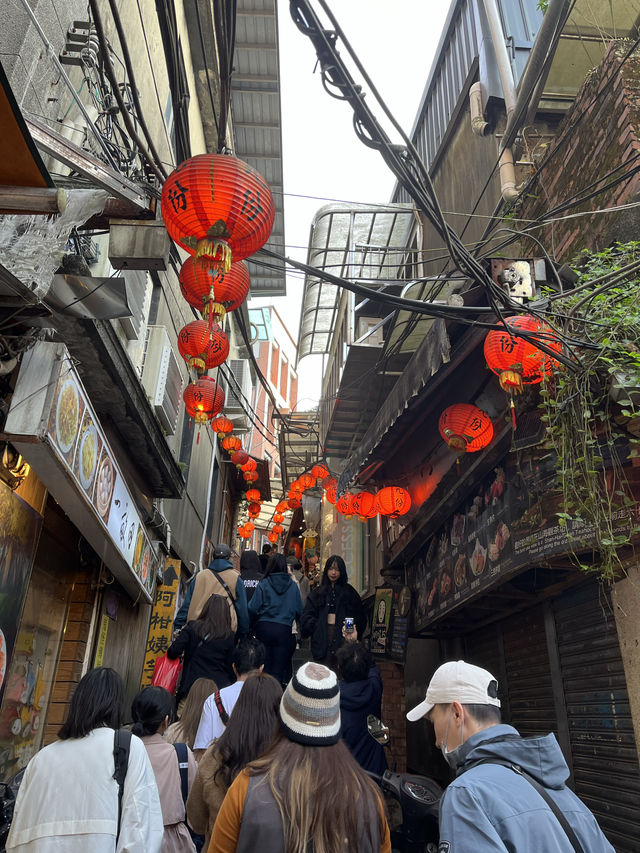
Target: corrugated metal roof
{"type": "Point", "coordinates": [256, 115]}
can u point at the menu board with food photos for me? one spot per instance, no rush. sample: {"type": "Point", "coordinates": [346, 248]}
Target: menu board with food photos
{"type": "Point", "coordinates": [77, 439]}
{"type": "Point", "coordinates": [510, 522]}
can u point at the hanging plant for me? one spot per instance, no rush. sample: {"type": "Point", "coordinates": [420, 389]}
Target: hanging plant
{"type": "Point", "coordinates": [586, 413]}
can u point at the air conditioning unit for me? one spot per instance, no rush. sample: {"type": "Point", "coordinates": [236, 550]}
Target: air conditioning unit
{"type": "Point", "coordinates": [241, 423]}
{"type": "Point", "coordinates": [238, 392]}
{"type": "Point", "coordinates": [161, 378]}
{"type": "Point", "coordinates": [136, 284]}
{"type": "Point", "coordinates": [364, 327]}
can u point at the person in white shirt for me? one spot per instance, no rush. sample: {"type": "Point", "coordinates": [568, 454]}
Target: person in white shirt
{"type": "Point", "coordinates": [248, 657]}
{"type": "Point", "coordinates": [68, 799]}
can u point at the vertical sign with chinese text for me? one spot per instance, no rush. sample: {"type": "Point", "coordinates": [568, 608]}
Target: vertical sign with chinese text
{"type": "Point", "coordinates": [161, 624]}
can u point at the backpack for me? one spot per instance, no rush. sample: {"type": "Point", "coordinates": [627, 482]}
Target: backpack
{"type": "Point", "coordinates": [183, 767]}
{"type": "Point", "coordinates": [121, 748]}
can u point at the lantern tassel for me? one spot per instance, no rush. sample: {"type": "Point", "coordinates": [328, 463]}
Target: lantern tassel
{"type": "Point", "coordinates": [218, 250]}
{"type": "Point", "coordinates": [513, 413]}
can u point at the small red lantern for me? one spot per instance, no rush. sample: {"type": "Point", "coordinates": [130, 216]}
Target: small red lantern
{"type": "Point", "coordinates": [250, 526]}
{"type": "Point", "coordinates": [250, 465]}
{"type": "Point", "coordinates": [294, 503]}
{"type": "Point", "coordinates": [364, 505]}
{"type": "Point", "coordinates": [253, 495]}
{"type": "Point", "coordinates": [202, 285]}
{"type": "Point", "coordinates": [344, 504]}
{"type": "Point", "coordinates": [203, 399]}
{"type": "Point", "coordinates": [278, 517]}
{"type": "Point", "coordinates": [216, 206]}
{"type": "Point", "coordinates": [231, 443]}
{"type": "Point", "coordinates": [238, 457]}
{"type": "Point", "coordinates": [307, 481]}
{"type": "Point", "coordinates": [465, 428]}
{"type": "Point", "coordinates": [254, 508]}
{"type": "Point", "coordinates": [272, 537]}
{"type": "Point", "coordinates": [331, 494]}
{"type": "Point", "coordinates": [243, 533]}
{"type": "Point", "coordinates": [222, 426]}
{"type": "Point", "coordinates": [278, 529]}
{"type": "Point", "coordinates": [282, 506]}
{"type": "Point", "coordinates": [192, 343]}
{"type": "Point", "coordinates": [250, 476]}
{"type": "Point", "coordinates": [319, 471]}
{"type": "Point", "coordinates": [329, 482]}
{"type": "Point", "coordinates": [393, 501]}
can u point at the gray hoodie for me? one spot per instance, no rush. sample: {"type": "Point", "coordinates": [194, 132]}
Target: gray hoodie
{"type": "Point", "coordinates": [491, 808]}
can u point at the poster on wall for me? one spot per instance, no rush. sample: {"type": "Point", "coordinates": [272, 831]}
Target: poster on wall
{"type": "Point", "coordinates": [399, 627]}
{"type": "Point", "coordinates": [161, 622]}
{"type": "Point", "coordinates": [381, 619]}
{"type": "Point", "coordinates": [20, 525]}
{"type": "Point", "coordinates": [509, 524]}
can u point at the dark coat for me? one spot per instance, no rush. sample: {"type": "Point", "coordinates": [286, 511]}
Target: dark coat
{"type": "Point", "coordinates": [208, 659]}
{"type": "Point", "coordinates": [358, 699]}
{"type": "Point", "coordinates": [314, 618]}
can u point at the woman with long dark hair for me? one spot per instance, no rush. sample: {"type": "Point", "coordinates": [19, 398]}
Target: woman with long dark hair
{"type": "Point", "coordinates": [326, 609]}
{"type": "Point", "coordinates": [184, 730]}
{"type": "Point", "coordinates": [274, 607]}
{"type": "Point", "coordinates": [68, 799]}
{"type": "Point", "coordinates": [307, 793]}
{"type": "Point", "coordinates": [207, 644]}
{"type": "Point", "coordinates": [252, 727]}
{"type": "Point", "coordinates": [150, 711]}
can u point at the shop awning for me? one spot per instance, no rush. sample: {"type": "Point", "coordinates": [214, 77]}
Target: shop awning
{"type": "Point", "coordinates": [357, 242]}
{"type": "Point", "coordinates": [20, 162]}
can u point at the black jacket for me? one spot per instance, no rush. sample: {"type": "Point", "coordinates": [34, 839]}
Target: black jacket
{"type": "Point", "coordinates": [208, 659]}
{"type": "Point", "coordinates": [250, 578]}
{"type": "Point", "coordinates": [313, 622]}
{"type": "Point", "coordinates": [358, 699]}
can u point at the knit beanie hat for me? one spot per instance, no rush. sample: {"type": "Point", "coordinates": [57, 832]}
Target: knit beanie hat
{"type": "Point", "coordinates": [310, 706]}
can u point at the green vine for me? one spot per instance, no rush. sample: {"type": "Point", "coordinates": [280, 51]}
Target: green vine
{"type": "Point", "coordinates": [586, 413]}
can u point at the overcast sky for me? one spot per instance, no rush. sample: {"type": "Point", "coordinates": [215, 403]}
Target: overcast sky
{"type": "Point", "coordinates": [322, 156]}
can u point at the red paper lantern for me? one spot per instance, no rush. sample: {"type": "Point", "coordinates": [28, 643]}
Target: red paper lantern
{"type": "Point", "coordinates": [250, 465]}
{"type": "Point", "coordinates": [329, 482]}
{"type": "Point", "coordinates": [344, 504]}
{"type": "Point", "coordinates": [278, 529]}
{"type": "Point", "coordinates": [238, 457]}
{"type": "Point", "coordinates": [250, 526]}
{"type": "Point", "coordinates": [282, 506]}
{"type": "Point", "coordinates": [203, 399]}
{"type": "Point", "coordinates": [244, 534]}
{"type": "Point", "coordinates": [254, 508]}
{"type": "Point", "coordinates": [364, 505]}
{"type": "Point", "coordinates": [253, 495]}
{"type": "Point", "coordinates": [465, 427]}
{"type": "Point", "coordinates": [393, 501]}
{"type": "Point", "coordinates": [217, 206]}
{"type": "Point", "coordinates": [331, 494]}
{"type": "Point", "coordinates": [201, 284]}
{"type": "Point", "coordinates": [231, 443]}
{"type": "Point", "coordinates": [294, 503]}
{"type": "Point", "coordinates": [278, 517]}
{"type": "Point", "coordinates": [307, 481]}
{"type": "Point", "coordinates": [272, 537]}
{"type": "Point", "coordinates": [319, 471]}
{"type": "Point", "coordinates": [192, 343]}
{"type": "Point", "coordinates": [250, 476]}
{"type": "Point", "coordinates": [222, 426]}
{"type": "Point", "coordinates": [518, 361]}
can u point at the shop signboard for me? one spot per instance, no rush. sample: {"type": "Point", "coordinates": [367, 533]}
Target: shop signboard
{"type": "Point", "coordinates": [52, 423]}
{"type": "Point", "coordinates": [162, 615]}
{"type": "Point", "coordinates": [381, 619]}
{"type": "Point", "coordinates": [399, 627]}
{"type": "Point", "coordinates": [510, 523]}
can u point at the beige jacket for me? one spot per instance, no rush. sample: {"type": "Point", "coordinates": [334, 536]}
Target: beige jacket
{"type": "Point", "coordinates": [206, 585]}
{"type": "Point", "coordinates": [206, 795]}
{"type": "Point", "coordinates": [164, 761]}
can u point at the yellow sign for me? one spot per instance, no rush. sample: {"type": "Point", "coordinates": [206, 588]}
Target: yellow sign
{"type": "Point", "coordinates": [102, 641]}
{"type": "Point", "coordinates": [161, 624]}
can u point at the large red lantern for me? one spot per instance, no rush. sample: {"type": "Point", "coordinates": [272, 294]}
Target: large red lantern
{"type": "Point", "coordinates": [219, 207]}
{"type": "Point", "coordinates": [319, 471]}
{"type": "Point", "coordinates": [344, 505]}
{"type": "Point", "coordinates": [253, 495]}
{"type": "Point", "coordinates": [465, 428]}
{"type": "Point", "coordinates": [222, 426]}
{"type": "Point", "coordinates": [364, 505]}
{"type": "Point", "coordinates": [272, 537]}
{"type": "Point", "coordinates": [250, 465]}
{"type": "Point", "coordinates": [282, 506]}
{"type": "Point", "coordinates": [250, 476]}
{"type": "Point", "coordinates": [203, 399]}
{"type": "Point", "coordinates": [517, 360]}
{"type": "Point", "coordinates": [331, 494]}
{"type": "Point", "coordinates": [201, 285]}
{"type": "Point", "coordinates": [393, 501]}
{"type": "Point", "coordinates": [192, 343]}
{"type": "Point", "coordinates": [294, 503]}
{"type": "Point", "coordinates": [278, 517]}
{"type": "Point", "coordinates": [232, 443]}
{"type": "Point", "coordinates": [238, 457]}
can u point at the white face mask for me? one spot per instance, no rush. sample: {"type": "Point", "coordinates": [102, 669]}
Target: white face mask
{"type": "Point", "coordinates": [451, 755]}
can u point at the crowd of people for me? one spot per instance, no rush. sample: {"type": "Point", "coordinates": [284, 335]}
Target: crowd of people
{"type": "Point", "coordinates": [248, 755]}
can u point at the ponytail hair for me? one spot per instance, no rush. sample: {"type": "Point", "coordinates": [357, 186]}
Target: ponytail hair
{"type": "Point", "coordinates": [148, 709]}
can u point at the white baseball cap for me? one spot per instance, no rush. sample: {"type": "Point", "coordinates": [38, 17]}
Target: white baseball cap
{"type": "Point", "coordinates": [457, 681]}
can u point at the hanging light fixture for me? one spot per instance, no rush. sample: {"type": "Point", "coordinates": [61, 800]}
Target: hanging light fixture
{"type": "Point", "coordinates": [393, 501]}
{"type": "Point", "coordinates": [203, 399]}
{"type": "Point", "coordinates": [344, 505]}
{"type": "Point", "coordinates": [211, 292]}
{"type": "Point", "coordinates": [364, 505]}
{"type": "Point", "coordinates": [465, 428]}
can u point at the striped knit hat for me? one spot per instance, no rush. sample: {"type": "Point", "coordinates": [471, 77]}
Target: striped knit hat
{"type": "Point", "coordinates": [310, 706]}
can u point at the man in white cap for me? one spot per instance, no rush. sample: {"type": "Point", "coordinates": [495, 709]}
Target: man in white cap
{"type": "Point", "coordinates": [509, 793]}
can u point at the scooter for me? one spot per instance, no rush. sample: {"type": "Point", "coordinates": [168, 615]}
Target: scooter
{"type": "Point", "coordinates": [418, 797]}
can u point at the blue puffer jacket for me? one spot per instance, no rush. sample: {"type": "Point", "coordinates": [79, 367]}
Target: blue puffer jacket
{"type": "Point", "coordinates": [492, 808]}
{"type": "Point", "coordinates": [276, 599]}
